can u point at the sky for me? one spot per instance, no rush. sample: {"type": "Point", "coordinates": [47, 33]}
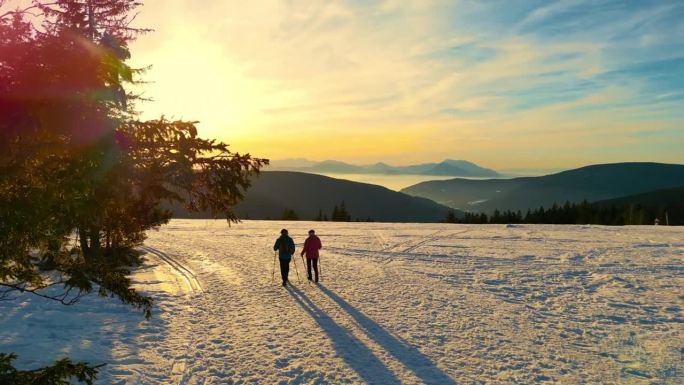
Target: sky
{"type": "Point", "coordinates": [503, 83]}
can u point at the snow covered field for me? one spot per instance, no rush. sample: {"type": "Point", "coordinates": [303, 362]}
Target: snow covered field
{"type": "Point", "coordinates": [398, 303]}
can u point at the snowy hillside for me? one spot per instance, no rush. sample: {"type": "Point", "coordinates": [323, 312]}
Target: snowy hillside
{"type": "Point", "coordinates": [398, 303]}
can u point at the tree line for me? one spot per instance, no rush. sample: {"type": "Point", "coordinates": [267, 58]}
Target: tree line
{"type": "Point", "coordinates": [339, 214]}
{"type": "Point", "coordinates": [574, 213]}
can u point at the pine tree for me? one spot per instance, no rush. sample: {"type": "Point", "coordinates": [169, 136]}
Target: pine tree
{"type": "Point", "coordinates": [344, 216]}
{"type": "Point", "coordinates": [451, 216]}
{"type": "Point", "coordinates": [496, 217]}
{"type": "Point", "coordinates": [340, 213]}
{"type": "Point", "coordinates": [74, 159]}
{"type": "Point", "coordinates": [289, 215]}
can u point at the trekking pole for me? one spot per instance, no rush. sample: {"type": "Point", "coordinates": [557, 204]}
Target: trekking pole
{"type": "Point", "coordinates": [308, 279]}
{"type": "Point", "coordinates": [297, 271]}
{"type": "Point", "coordinates": [273, 270]}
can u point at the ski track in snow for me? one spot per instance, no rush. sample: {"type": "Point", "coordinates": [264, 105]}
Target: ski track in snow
{"type": "Point", "coordinates": [187, 275]}
{"type": "Point", "coordinates": [398, 304]}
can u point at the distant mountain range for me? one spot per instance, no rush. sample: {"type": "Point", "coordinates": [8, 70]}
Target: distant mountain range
{"type": "Point", "coordinates": [274, 191]}
{"type": "Point", "coordinates": [448, 167]}
{"type": "Point", "coordinates": [656, 186]}
{"type": "Point", "coordinates": [593, 183]}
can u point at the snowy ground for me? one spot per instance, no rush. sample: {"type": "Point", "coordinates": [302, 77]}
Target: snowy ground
{"type": "Point", "coordinates": [399, 303]}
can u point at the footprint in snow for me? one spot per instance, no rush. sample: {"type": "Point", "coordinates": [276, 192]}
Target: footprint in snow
{"type": "Point", "coordinates": [282, 362]}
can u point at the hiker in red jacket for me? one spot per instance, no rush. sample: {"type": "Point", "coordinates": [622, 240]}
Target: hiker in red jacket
{"type": "Point", "coordinates": [311, 247]}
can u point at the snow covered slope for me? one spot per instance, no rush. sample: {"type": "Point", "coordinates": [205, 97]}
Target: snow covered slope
{"type": "Point", "coordinates": [398, 303]}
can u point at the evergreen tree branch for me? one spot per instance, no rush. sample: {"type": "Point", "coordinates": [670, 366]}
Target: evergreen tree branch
{"type": "Point", "coordinates": [59, 373]}
{"type": "Point", "coordinates": [63, 298]}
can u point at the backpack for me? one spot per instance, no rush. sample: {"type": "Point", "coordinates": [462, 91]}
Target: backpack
{"type": "Point", "coordinates": [283, 246]}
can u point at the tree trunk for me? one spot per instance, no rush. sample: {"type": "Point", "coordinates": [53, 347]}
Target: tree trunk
{"type": "Point", "coordinates": [83, 239]}
{"type": "Point", "coordinates": [94, 235]}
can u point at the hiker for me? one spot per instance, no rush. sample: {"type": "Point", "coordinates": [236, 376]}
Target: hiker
{"type": "Point", "coordinates": [286, 247]}
{"type": "Point", "coordinates": [311, 247]}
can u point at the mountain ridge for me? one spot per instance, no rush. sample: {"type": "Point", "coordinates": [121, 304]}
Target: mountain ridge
{"type": "Point", "coordinates": [274, 191]}
{"type": "Point", "coordinates": [447, 167]}
{"type": "Point", "coordinates": [593, 183]}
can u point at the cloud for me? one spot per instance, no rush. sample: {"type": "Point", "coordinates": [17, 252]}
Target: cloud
{"type": "Point", "coordinates": [457, 76]}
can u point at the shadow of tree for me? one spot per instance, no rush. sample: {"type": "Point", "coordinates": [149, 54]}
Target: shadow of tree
{"type": "Point", "coordinates": [95, 330]}
{"type": "Point", "coordinates": [357, 355]}
{"type": "Point", "coordinates": [408, 355]}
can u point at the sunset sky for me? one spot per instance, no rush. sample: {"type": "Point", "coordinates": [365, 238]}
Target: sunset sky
{"type": "Point", "coordinates": [506, 84]}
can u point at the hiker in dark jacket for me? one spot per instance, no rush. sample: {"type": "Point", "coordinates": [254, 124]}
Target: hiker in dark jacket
{"type": "Point", "coordinates": [311, 247]}
{"type": "Point", "coordinates": [285, 247]}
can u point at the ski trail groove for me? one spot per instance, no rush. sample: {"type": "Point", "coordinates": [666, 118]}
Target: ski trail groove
{"type": "Point", "coordinates": [180, 369]}
{"type": "Point", "coordinates": [430, 238]}
{"type": "Point", "coordinates": [187, 274]}
{"type": "Point", "coordinates": [381, 239]}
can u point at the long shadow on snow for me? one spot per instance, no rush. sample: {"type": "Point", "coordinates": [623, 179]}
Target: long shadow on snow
{"type": "Point", "coordinates": [408, 355]}
{"type": "Point", "coordinates": [357, 355]}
